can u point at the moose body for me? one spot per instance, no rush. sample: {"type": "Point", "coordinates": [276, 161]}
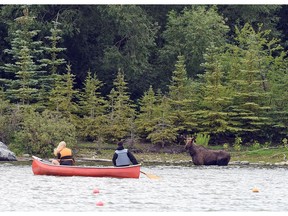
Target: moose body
{"type": "Point", "coordinates": [203, 156]}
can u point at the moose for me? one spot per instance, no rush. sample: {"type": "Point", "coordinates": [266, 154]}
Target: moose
{"type": "Point", "coordinates": [203, 156]}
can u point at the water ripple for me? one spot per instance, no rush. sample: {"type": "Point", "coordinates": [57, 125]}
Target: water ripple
{"type": "Point", "coordinates": [182, 189]}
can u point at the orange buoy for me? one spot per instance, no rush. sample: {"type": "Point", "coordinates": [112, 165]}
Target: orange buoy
{"type": "Point", "coordinates": [96, 191]}
{"type": "Point", "coordinates": [255, 190]}
{"type": "Point", "coordinates": [100, 203]}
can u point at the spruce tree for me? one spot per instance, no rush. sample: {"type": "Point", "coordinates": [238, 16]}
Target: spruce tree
{"type": "Point", "coordinates": [162, 130]}
{"type": "Point", "coordinates": [213, 117]}
{"type": "Point", "coordinates": [278, 79]}
{"type": "Point", "coordinates": [25, 67]}
{"type": "Point", "coordinates": [164, 117]}
{"type": "Point", "coordinates": [93, 107]}
{"type": "Point", "coordinates": [181, 98]}
{"type": "Point", "coordinates": [53, 50]}
{"type": "Point", "coordinates": [122, 113]}
{"type": "Point", "coordinates": [92, 103]}
{"type": "Point", "coordinates": [147, 114]}
{"type": "Point", "coordinates": [63, 94]}
{"type": "Point", "coordinates": [250, 97]}
{"type": "Point", "coordinates": [52, 62]}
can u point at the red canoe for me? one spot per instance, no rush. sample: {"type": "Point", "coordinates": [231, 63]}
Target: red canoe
{"type": "Point", "coordinates": [40, 167]}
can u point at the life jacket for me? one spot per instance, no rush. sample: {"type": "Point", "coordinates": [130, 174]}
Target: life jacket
{"type": "Point", "coordinates": [122, 159]}
{"type": "Point", "coordinates": [66, 153]}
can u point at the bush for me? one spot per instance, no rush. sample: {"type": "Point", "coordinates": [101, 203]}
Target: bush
{"type": "Point", "coordinates": [163, 136]}
{"type": "Point", "coordinates": [92, 129]}
{"type": "Point", "coordinates": [41, 133]}
{"type": "Point", "coordinates": [237, 145]}
{"type": "Point", "coordinates": [284, 142]}
{"type": "Point", "coordinates": [256, 145]}
{"type": "Point", "coordinates": [226, 146]}
{"type": "Point", "coordinates": [267, 144]}
{"type": "Point", "coordinates": [202, 139]}
{"type": "Point", "coordinates": [10, 117]}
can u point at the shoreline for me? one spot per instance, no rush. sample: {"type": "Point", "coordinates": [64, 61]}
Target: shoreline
{"type": "Point", "coordinates": [254, 157]}
{"type": "Point", "coordinates": [160, 162]}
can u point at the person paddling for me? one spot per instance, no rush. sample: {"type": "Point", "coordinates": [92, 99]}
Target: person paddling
{"type": "Point", "coordinates": [64, 155]}
{"type": "Point", "coordinates": [122, 157]}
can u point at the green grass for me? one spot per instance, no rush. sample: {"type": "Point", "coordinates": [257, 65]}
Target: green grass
{"type": "Point", "coordinates": [106, 151]}
{"type": "Point", "coordinates": [271, 155]}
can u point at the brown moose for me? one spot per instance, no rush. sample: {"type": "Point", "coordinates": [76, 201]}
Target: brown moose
{"type": "Point", "coordinates": [203, 156]}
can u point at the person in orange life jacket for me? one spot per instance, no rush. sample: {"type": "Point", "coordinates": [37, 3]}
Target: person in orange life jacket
{"type": "Point", "coordinates": [64, 155]}
{"type": "Point", "coordinates": [122, 157]}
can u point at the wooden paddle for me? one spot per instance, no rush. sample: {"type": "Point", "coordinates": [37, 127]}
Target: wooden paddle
{"type": "Point", "coordinates": [37, 158]}
{"type": "Point", "coordinates": [151, 176]}
{"type": "Point", "coordinates": [40, 159]}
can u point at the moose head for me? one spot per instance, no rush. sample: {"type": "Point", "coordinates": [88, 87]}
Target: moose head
{"type": "Point", "coordinates": [189, 142]}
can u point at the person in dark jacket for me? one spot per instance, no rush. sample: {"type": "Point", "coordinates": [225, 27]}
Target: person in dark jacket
{"type": "Point", "coordinates": [122, 157]}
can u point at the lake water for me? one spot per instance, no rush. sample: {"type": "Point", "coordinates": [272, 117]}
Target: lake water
{"type": "Point", "coordinates": [181, 188]}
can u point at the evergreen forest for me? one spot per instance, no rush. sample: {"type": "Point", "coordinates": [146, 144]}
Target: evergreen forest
{"type": "Point", "coordinates": [145, 73]}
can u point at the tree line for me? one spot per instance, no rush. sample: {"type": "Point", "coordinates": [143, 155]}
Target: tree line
{"type": "Point", "coordinates": [205, 78]}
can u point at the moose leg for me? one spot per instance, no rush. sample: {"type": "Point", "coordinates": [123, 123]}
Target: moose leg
{"type": "Point", "coordinates": [197, 160]}
{"type": "Point", "coordinates": [223, 161]}
{"type": "Point", "coordinates": [210, 163]}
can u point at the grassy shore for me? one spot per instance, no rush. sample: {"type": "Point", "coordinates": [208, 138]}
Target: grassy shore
{"type": "Point", "coordinates": [144, 153]}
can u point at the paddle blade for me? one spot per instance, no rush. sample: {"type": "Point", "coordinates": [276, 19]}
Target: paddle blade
{"type": "Point", "coordinates": [151, 176]}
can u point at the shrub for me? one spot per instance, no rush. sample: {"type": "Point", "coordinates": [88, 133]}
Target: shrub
{"type": "Point", "coordinates": [237, 144]}
{"type": "Point", "coordinates": [267, 144]}
{"type": "Point", "coordinates": [41, 133]}
{"type": "Point", "coordinates": [202, 139]}
{"type": "Point", "coordinates": [285, 142]}
{"type": "Point", "coordinates": [226, 146]}
{"type": "Point", "coordinates": [164, 136]}
{"type": "Point", "coordinates": [10, 117]}
{"type": "Point", "coordinates": [256, 145]}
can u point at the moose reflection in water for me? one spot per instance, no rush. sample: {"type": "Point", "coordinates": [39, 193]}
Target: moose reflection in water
{"type": "Point", "coordinates": [203, 156]}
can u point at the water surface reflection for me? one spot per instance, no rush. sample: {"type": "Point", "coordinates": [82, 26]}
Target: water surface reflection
{"type": "Point", "coordinates": [181, 188]}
